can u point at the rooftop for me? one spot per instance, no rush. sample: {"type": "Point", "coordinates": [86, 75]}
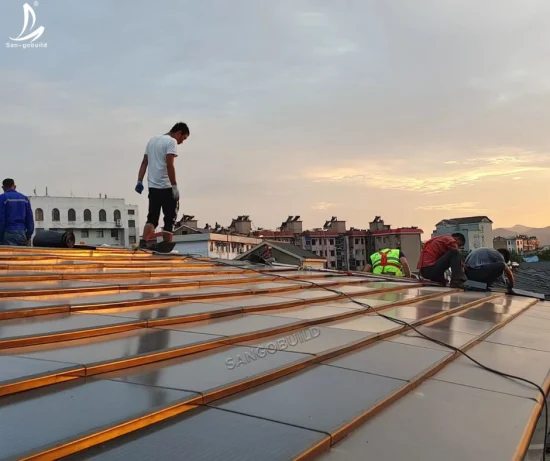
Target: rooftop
{"type": "Point", "coordinates": [466, 220]}
{"type": "Point", "coordinates": [110, 354]}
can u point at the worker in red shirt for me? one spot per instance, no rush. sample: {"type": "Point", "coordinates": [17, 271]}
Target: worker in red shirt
{"type": "Point", "coordinates": [440, 254]}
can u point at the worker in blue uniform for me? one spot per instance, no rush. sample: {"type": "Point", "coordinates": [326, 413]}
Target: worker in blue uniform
{"type": "Point", "coordinates": [16, 218]}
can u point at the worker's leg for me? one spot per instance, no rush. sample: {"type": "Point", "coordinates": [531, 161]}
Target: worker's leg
{"type": "Point", "coordinates": [170, 211]}
{"type": "Point", "coordinates": [153, 215]}
{"type": "Point", "coordinates": [489, 273]}
{"type": "Point", "coordinates": [15, 238]}
{"type": "Point", "coordinates": [451, 259]}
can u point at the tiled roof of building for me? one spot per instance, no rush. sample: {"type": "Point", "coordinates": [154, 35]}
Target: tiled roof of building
{"type": "Point", "coordinates": [109, 355]}
{"type": "Point", "coordinates": [467, 220]}
{"type": "Point", "coordinates": [296, 250]}
{"type": "Point", "coordinates": [534, 277]}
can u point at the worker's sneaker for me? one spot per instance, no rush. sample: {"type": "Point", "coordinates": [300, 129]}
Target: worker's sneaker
{"type": "Point", "coordinates": [143, 244]}
{"type": "Point", "coordinates": [457, 284]}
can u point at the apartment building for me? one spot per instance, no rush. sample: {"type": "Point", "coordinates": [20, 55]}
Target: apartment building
{"type": "Point", "coordinates": [94, 221]}
{"type": "Point", "coordinates": [478, 230]}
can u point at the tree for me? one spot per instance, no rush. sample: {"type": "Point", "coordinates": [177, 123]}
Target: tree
{"type": "Point", "coordinates": [515, 257]}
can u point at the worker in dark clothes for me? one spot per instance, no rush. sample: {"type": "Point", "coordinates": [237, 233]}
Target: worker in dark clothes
{"type": "Point", "coordinates": [388, 262]}
{"type": "Point", "coordinates": [16, 219]}
{"type": "Point", "coordinates": [486, 265]}
{"type": "Point", "coordinates": [442, 253]}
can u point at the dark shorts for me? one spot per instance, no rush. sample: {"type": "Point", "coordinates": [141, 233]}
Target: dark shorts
{"type": "Point", "coordinates": [162, 199]}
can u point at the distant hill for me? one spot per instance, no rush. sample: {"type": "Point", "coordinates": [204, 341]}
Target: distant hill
{"type": "Point", "coordinates": [543, 233]}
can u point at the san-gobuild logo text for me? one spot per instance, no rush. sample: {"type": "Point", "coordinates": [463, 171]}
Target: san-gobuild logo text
{"type": "Point", "coordinates": [272, 347]}
{"type": "Point", "coordinates": [28, 36]}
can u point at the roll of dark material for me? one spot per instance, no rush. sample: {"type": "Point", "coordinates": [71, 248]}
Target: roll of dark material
{"type": "Point", "coordinates": [52, 239]}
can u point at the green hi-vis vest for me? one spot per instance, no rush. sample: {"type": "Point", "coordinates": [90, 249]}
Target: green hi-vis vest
{"type": "Point", "coordinates": [387, 262]}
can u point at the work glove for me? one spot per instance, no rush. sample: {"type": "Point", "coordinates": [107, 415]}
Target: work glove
{"type": "Point", "coordinates": [139, 187]}
{"type": "Point", "coordinates": [175, 192]}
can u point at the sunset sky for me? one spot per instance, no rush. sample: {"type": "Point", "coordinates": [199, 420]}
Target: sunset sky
{"type": "Point", "coordinates": [413, 110]}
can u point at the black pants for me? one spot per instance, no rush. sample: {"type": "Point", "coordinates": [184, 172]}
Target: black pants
{"type": "Point", "coordinates": [162, 199]}
{"type": "Point", "coordinates": [489, 273]}
{"type": "Point", "coordinates": [436, 273]}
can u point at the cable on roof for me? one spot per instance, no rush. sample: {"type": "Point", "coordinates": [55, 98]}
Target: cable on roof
{"type": "Point", "coordinates": [412, 327]}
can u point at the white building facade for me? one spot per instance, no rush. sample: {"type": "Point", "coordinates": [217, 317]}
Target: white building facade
{"type": "Point", "coordinates": [213, 245]}
{"type": "Point", "coordinates": [94, 221]}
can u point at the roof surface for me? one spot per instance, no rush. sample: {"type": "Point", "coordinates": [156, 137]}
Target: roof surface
{"type": "Point", "coordinates": [467, 220]}
{"type": "Point", "coordinates": [290, 248]}
{"type": "Point", "coordinates": [109, 355]}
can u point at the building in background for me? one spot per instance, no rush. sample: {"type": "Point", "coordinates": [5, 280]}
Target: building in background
{"type": "Point", "coordinates": [214, 245]}
{"type": "Point", "coordinates": [478, 230]}
{"type": "Point", "coordinates": [520, 244]}
{"type": "Point", "coordinates": [340, 248]}
{"type": "Point", "coordinates": [94, 221]}
{"type": "Point", "coordinates": [286, 253]}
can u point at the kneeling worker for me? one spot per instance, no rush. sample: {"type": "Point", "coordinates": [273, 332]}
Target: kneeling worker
{"type": "Point", "coordinates": [440, 254]}
{"type": "Point", "coordinates": [388, 262]}
{"type": "Point", "coordinates": [486, 265]}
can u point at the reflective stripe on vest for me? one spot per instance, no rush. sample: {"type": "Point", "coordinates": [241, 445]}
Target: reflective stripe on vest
{"type": "Point", "coordinates": [386, 262]}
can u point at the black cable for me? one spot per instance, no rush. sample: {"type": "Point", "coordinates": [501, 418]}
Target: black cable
{"type": "Point", "coordinates": [406, 324]}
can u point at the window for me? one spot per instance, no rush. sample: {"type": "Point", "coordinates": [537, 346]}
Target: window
{"type": "Point", "coordinates": [357, 241]}
{"type": "Point", "coordinates": [84, 234]}
{"type": "Point", "coordinates": [332, 241]}
{"type": "Point", "coordinates": [56, 217]}
{"type": "Point", "coordinates": [313, 241]}
{"type": "Point", "coordinates": [39, 214]}
{"type": "Point", "coordinates": [71, 215]}
{"type": "Point", "coordinates": [332, 264]}
{"type": "Point", "coordinates": [116, 215]}
{"type": "Point", "coordinates": [131, 223]}
{"type": "Point", "coordinates": [99, 234]}
{"type": "Point", "coordinates": [332, 252]}
{"type": "Point", "coordinates": [87, 215]}
{"type": "Point", "coordinates": [132, 239]}
{"type": "Point", "coordinates": [102, 215]}
{"type": "Point", "coordinates": [131, 212]}
{"type": "Point", "coordinates": [211, 246]}
{"type": "Point", "coordinates": [114, 233]}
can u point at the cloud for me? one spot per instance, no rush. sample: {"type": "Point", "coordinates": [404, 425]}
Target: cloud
{"type": "Point", "coordinates": [389, 176]}
{"type": "Point", "coordinates": [463, 206]}
{"type": "Point", "coordinates": [323, 206]}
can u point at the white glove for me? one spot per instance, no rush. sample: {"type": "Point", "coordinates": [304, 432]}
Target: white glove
{"type": "Point", "coordinates": [175, 192]}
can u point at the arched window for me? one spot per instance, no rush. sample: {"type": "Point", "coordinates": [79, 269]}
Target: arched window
{"type": "Point", "coordinates": [71, 215]}
{"type": "Point", "coordinates": [87, 215]}
{"type": "Point", "coordinates": [117, 215]}
{"type": "Point", "coordinates": [102, 215]}
{"type": "Point", "coordinates": [56, 217]}
{"type": "Point", "coordinates": [39, 214]}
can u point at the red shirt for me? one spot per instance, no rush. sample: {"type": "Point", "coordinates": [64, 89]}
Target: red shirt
{"type": "Point", "coordinates": [434, 249]}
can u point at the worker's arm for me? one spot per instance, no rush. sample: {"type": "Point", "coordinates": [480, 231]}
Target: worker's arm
{"type": "Point", "coordinates": [509, 276]}
{"type": "Point", "coordinates": [406, 268]}
{"type": "Point", "coordinates": [141, 174]}
{"type": "Point", "coordinates": [172, 175]}
{"type": "Point", "coordinates": [143, 168]}
{"type": "Point", "coordinates": [29, 220]}
{"type": "Point", "coordinates": [171, 169]}
{"type": "Point", "coordinates": [2, 217]}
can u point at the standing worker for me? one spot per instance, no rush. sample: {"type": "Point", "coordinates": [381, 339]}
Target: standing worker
{"type": "Point", "coordinates": [486, 265]}
{"type": "Point", "coordinates": [440, 254]}
{"type": "Point", "coordinates": [388, 262]}
{"type": "Point", "coordinates": [16, 219]}
{"type": "Point", "coordinates": [161, 178]}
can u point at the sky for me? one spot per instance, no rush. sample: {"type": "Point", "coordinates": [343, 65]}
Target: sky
{"type": "Point", "coordinates": [413, 110]}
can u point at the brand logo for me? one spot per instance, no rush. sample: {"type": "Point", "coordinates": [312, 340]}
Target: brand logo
{"type": "Point", "coordinates": [27, 37]}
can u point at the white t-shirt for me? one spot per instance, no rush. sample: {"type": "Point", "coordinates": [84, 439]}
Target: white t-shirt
{"type": "Point", "coordinates": [157, 149]}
